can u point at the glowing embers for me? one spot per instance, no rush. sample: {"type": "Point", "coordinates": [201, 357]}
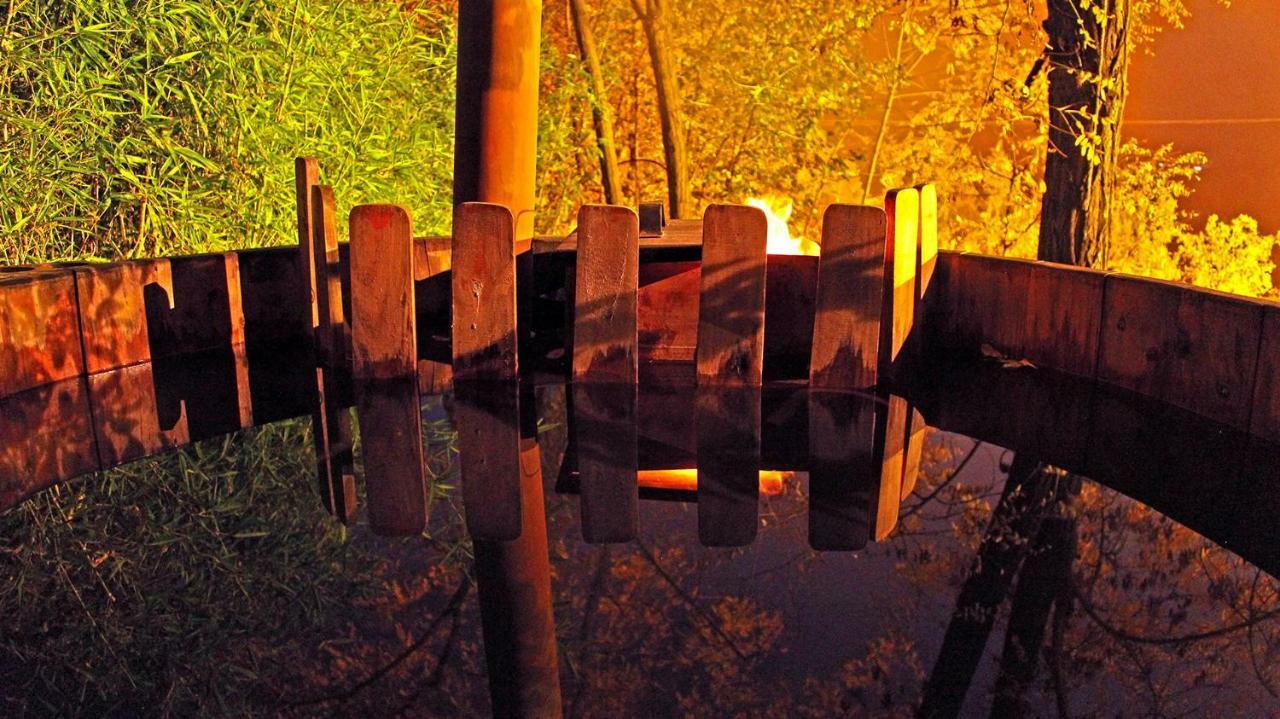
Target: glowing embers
{"type": "Point", "coordinates": [772, 481]}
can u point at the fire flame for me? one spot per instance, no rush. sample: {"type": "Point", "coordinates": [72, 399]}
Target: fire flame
{"type": "Point", "coordinates": [777, 210]}
{"type": "Point", "coordinates": [771, 481]}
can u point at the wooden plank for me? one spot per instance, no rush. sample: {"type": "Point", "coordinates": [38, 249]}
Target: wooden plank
{"type": "Point", "coordinates": [1189, 347]}
{"type": "Point", "coordinates": [732, 297]}
{"type": "Point", "coordinates": [207, 312]}
{"type": "Point", "coordinates": [603, 426]}
{"type": "Point", "coordinates": [384, 342]}
{"type": "Point", "coordinates": [842, 469]}
{"type": "Point", "coordinates": [927, 253]}
{"type": "Point", "coordinates": [46, 436]}
{"type": "Point", "coordinates": [1266, 392]}
{"type": "Point", "coordinates": [306, 176]}
{"type": "Point", "coordinates": [790, 295]}
{"type": "Point", "coordinates": [330, 328]}
{"type": "Point", "coordinates": [395, 477]}
{"type": "Point", "coordinates": [113, 302]}
{"type": "Point", "coordinates": [128, 423]}
{"type": "Point", "coordinates": [484, 293]}
{"type": "Point", "coordinates": [917, 433]}
{"type": "Point", "coordinates": [487, 417]}
{"type": "Point", "coordinates": [1064, 318]}
{"type": "Point", "coordinates": [606, 284]}
{"type": "Point", "coordinates": [846, 331]}
{"type": "Point", "coordinates": [39, 330]}
{"type": "Point", "coordinates": [989, 302]}
{"type": "Point", "coordinates": [209, 389]}
{"type": "Point", "coordinates": [332, 437]}
{"type": "Point", "coordinates": [270, 291]}
{"type": "Point", "coordinates": [902, 214]}
{"type": "Point", "coordinates": [667, 310]}
{"type": "Point", "coordinates": [728, 434]}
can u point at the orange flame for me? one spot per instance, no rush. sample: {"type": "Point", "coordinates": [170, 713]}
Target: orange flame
{"type": "Point", "coordinates": [777, 210]}
{"type": "Point", "coordinates": [771, 481]}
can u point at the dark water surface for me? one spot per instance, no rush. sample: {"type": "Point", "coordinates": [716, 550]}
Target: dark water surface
{"type": "Point", "coordinates": [936, 549]}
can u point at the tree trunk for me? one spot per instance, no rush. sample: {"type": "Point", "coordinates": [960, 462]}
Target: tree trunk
{"type": "Point", "coordinates": [610, 178]}
{"type": "Point", "coordinates": [1088, 66]}
{"type": "Point", "coordinates": [652, 15]}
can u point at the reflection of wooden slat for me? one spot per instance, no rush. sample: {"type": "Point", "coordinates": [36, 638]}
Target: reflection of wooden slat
{"type": "Point", "coordinates": [891, 435]}
{"type": "Point", "coordinates": [391, 446]}
{"type": "Point", "coordinates": [917, 431]}
{"type": "Point", "coordinates": [927, 252]}
{"type": "Point", "coordinates": [728, 432]}
{"type": "Point", "coordinates": [306, 176]}
{"type": "Point", "coordinates": [605, 287]}
{"type": "Point", "coordinates": [841, 470]}
{"type": "Point", "coordinates": [731, 306]}
{"type": "Point", "coordinates": [46, 435]}
{"type": "Point", "coordinates": [127, 425]}
{"type": "Point", "coordinates": [604, 436]}
{"type": "Point", "coordinates": [1266, 393]}
{"type": "Point", "coordinates": [489, 453]}
{"type": "Point", "coordinates": [902, 211]}
{"type": "Point", "coordinates": [330, 328]}
{"type": "Point", "coordinates": [39, 330]}
{"type": "Point", "coordinates": [383, 324]}
{"type": "Point", "coordinates": [846, 331]}
{"type": "Point", "coordinates": [484, 292]}
{"type": "Point", "coordinates": [335, 464]}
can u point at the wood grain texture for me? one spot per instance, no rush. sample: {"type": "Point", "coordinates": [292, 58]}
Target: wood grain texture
{"type": "Point", "coordinates": [330, 328]}
{"type": "Point", "coordinates": [114, 301]}
{"type": "Point", "coordinates": [1192, 348]}
{"type": "Point", "coordinates": [842, 470]}
{"type": "Point", "coordinates": [732, 297]}
{"type": "Point", "coordinates": [270, 290]}
{"type": "Point", "coordinates": [728, 435]}
{"type": "Point", "coordinates": [846, 331]}
{"type": "Point", "coordinates": [902, 213]}
{"type": "Point", "coordinates": [927, 252]}
{"type": "Point", "coordinates": [46, 436]}
{"type": "Point", "coordinates": [606, 284]}
{"type": "Point", "coordinates": [306, 176]}
{"type": "Point", "coordinates": [1064, 318]}
{"type": "Point", "coordinates": [487, 417]}
{"type": "Point", "coordinates": [604, 437]}
{"type": "Point", "coordinates": [395, 477]}
{"type": "Point", "coordinates": [1266, 392]}
{"type": "Point", "coordinates": [39, 329]}
{"type": "Point", "coordinates": [127, 422]}
{"type": "Point", "coordinates": [667, 310]}
{"type": "Point", "coordinates": [384, 341]}
{"type": "Point", "coordinates": [207, 311]}
{"type": "Point", "coordinates": [484, 293]}
{"type": "Point", "coordinates": [989, 302]}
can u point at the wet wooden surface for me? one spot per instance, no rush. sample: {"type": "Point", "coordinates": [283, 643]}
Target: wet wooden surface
{"type": "Point", "coordinates": [842, 470]}
{"type": "Point", "coordinates": [1194, 349]}
{"type": "Point", "coordinates": [1266, 393]}
{"type": "Point", "coordinates": [128, 421]}
{"type": "Point", "coordinates": [46, 435]}
{"type": "Point", "coordinates": [1064, 318]}
{"type": "Point", "coordinates": [604, 436]}
{"type": "Point", "coordinates": [605, 288]}
{"type": "Point", "coordinates": [902, 214]}
{"type": "Point", "coordinates": [728, 437]}
{"type": "Point", "coordinates": [39, 329]}
{"type": "Point", "coordinates": [384, 342]}
{"type": "Point", "coordinates": [487, 417]}
{"type": "Point", "coordinates": [395, 477]}
{"type": "Point", "coordinates": [846, 330]}
{"type": "Point", "coordinates": [732, 298]}
{"type": "Point", "coordinates": [890, 448]}
{"type": "Point", "coordinates": [484, 293]}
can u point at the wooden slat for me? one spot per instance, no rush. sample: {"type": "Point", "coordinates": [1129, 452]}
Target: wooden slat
{"type": "Point", "coordinates": [271, 288]}
{"type": "Point", "coordinates": [395, 477]}
{"type": "Point", "coordinates": [902, 211]}
{"type": "Point", "coordinates": [114, 301]}
{"type": "Point", "coordinates": [487, 417]}
{"type": "Point", "coordinates": [39, 329]}
{"type": "Point", "coordinates": [209, 388]}
{"type": "Point", "coordinates": [484, 293]}
{"type": "Point", "coordinates": [927, 250]}
{"type": "Point", "coordinates": [1266, 393]}
{"type": "Point", "coordinates": [728, 435]}
{"type": "Point", "coordinates": [605, 288]}
{"type": "Point", "coordinates": [846, 331]}
{"type": "Point", "coordinates": [306, 176]}
{"type": "Point", "coordinates": [207, 312]}
{"type": "Point", "coordinates": [1192, 348]}
{"type": "Point", "coordinates": [1064, 318]}
{"type": "Point", "coordinates": [330, 329]}
{"type": "Point", "coordinates": [127, 423]}
{"type": "Point", "coordinates": [732, 298]}
{"type": "Point", "coordinates": [332, 436]}
{"type": "Point", "coordinates": [603, 424]}
{"type": "Point", "coordinates": [842, 470]}
{"type": "Point", "coordinates": [383, 323]}
{"type": "Point", "coordinates": [46, 436]}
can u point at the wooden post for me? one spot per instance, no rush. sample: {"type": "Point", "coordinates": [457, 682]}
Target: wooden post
{"type": "Point", "coordinates": [484, 293]}
{"type": "Point", "coordinates": [928, 252]}
{"type": "Point", "coordinates": [306, 176]}
{"type": "Point", "coordinates": [605, 440]}
{"type": "Point", "coordinates": [846, 330]}
{"type": "Point", "coordinates": [489, 452]}
{"type": "Point", "coordinates": [728, 432]}
{"type": "Point", "coordinates": [902, 210]}
{"type": "Point", "coordinates": [330, 328]}
{"type": "Point", "coordinates": [496, 122]}
{"type": "Point", "coordinates": [606, 284]}
{"type": "Point", "coordinates": [383, 321]}
{"type": "Point", "coordinates": [731, 305]}
{"type": "Point", "coordinates": [395, 477]}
